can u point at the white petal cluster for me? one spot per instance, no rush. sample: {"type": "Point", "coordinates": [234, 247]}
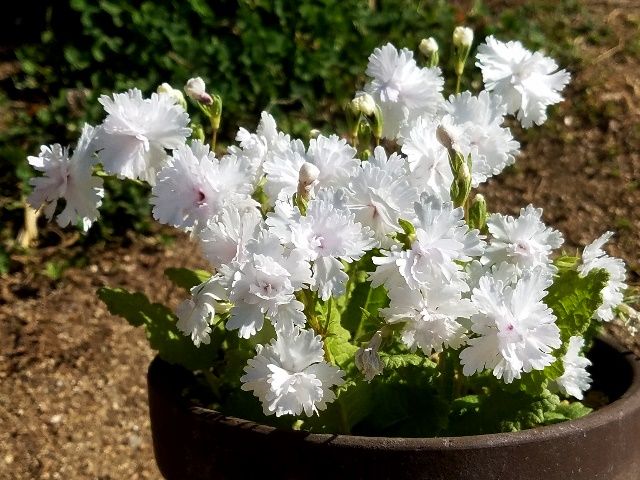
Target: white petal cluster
{"type": "Point", "coordinates": [527, 82]}
{"type": "Point", "coordinates": [136, 132]}
{"type": "Point", "coordinates": [432, 316]}
{"type": "Point", "coordinates": [70, 179]}
{"type": "Point", "coordinates": [443, 240]}
{"type": "Point", "coordinates": [256, 148]}
{"type": "Point", "coordinates": [194, 187]}
{"type": "Point", "coordinates": [428, 159]}
{"type": "Point", "coordinates": [326, 235]}
{"type": "Point", "coordinates": [290, 376]}
{"type": "Point", "coordinates": [576, 379]}
{"type": "Point", "coordinates": [225, 239]}
{"type": "Point", "coordinates": [263, 282]}
{"type": "Point", "coordinates": [380, 194]}
{"type": "Point", "coordinates": [516, 330]}
{"type": "Point", "coordinates": [593, 257]}
{"type": "Point", "coordinates": [195, 314]}
{"type": "Point", "coordinates": [474, 125]}
{"type": "Point", "coordinates": [403, 90]}
{"type": "Point", "coordinates": [525, 242]}
{"type": "Point", "coordinates": [332, 156]}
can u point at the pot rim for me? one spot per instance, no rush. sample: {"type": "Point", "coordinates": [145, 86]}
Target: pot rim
{"type": "Point", "coordinates": [628, 402]}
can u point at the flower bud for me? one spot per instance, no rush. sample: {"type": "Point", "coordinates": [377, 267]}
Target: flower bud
{"type": "Point", "coordinates": [307, 179]}
{"type": "Point", "coordinates": [461, 185]}
{"type": "Point", "coordinates": [478, 213]}
{"type": "Point", "coordinates": [195, 89]}
{"type": "Point", "coordinates": [197, 132]}
{"type": "Point", "coordinates": [363, 103]}
{"type": "Point", "coordinates": [462, 38]}
{"type": "Point", "coordinates": [429, 48]}
{"type": "Point", "coordinates": [368, 359]}
{"type": "Point", "coordinates": [314, 133]}
{"type": "Point", "coordinates": [176, 95]}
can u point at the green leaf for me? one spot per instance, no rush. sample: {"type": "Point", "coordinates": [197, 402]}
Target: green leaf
{"type": "Point", "coordinates": [336, 338]}
{"type": "Point", "coordinates": [362, 312]}
{"type": "Point", "coordinates": [160, 326]}
{"type": "Point", "coordinates": [395, 361]}
{"type": "Point", "coordinates": [186, 278]}
{"type": "Point", "coordinates": [574, 299]}
{"type": "Point", "coordinates": [566, 410]}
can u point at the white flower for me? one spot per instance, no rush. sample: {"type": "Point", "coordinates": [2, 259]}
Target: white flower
{"type": "Point", "coordinates": [326, 235]}
{"type": "Point", "coordinates": [195, 314]}
{"type": "Point", "coordinates": [442, 240]}
{"type": "Point", "coordinates": [224, 239]}
{"type": "Point", "coordinates": [431, 316]}
{"type": "Point", "coordinates": [195, 89]}
{"type": "Point", "coordinates": [474, 127]}
{"type": "Point", "coordinates": [367, 359]}
{"type": "Point", "coordinates": [256, 147]}
{"type": "Point", "coordinates": [594, 257]}
{"type": "Point", "coordinates": [403, 90]}
{"type": "Point", "coordinates": [282, 169]}
{"type": "Point", "coordinates": [428, 160]}
{"type": "Point", "coordinates": [525, 242]}
{"type": "Point", "coordinates": [68, 178]}
{"type": "Point", "coordinates": [263, 283]}
{"type": "Point", "coordinates": [194, 187]}
{"type": "Point", "coordinates": [576, 379]}
{"type": "Point", "coordinates": [527, 82]}
{"type": "Point", "coordinates": [335, 159]}
{"type": "Point", "coordinates": [517, 331]}
{"type": "Point", "coordinates": [136, 132]}
{"type": "Point", "coordinates": [462, 37]}
{"type": "Point", "coordinates": [290, 375]}
{"type": "Point", "coordinates": [380, 194]}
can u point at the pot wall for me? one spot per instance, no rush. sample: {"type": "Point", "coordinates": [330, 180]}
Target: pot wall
{"type": "Point", "coordinates": [196, 443]}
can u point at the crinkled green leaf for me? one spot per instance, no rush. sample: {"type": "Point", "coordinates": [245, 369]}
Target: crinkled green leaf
{"type": "Point", "coordinates": [500, 411]}
{"type": "Point", "coordinates": [336, 338]}
{"type": "Point", "coordinates": [394, 361]}
{"type": "Point", "coordinates": [160, 325]}
{"type": "Point", "coordinates": [186, 278]}
{"type": "Point", "coordinates": [574, 299]}
{"type": "Point", "coordinates": [566, 410]}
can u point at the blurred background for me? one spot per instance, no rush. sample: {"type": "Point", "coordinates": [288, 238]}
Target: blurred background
{"type": "Point", "coordinates": [72, 392]}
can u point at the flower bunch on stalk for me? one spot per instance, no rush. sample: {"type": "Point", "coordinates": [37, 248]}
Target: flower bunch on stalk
{"type": "Point", "coordinates": [351, 270]}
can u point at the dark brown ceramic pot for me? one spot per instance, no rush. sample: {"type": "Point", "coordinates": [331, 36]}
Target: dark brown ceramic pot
{"type": "Point", "coordinates": [195, 443]}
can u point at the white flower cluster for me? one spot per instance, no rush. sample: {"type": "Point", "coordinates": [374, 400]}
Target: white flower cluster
{"type": "Point", "coordinates": [449, 286]}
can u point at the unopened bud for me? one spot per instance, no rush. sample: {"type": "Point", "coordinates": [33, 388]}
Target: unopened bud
{"type": "Point", "coordinates": [461, 185]}
{"type": "Point", "coordinates": [368, 359]}
{"type": "Point", "coordinates": [197, 132]}
{"type": "Point", "coordinates": [216, 111]}
{"type": "Point", "coordinates": [462, 37]}
{"type": "Point", "coordinates": [363, 103]}
{"type": "Point", "coordinates": [307, 179]}
{"type": "Point", "coordinates": [462, 40]}
{"type": "Point", "coordinates": [174, 94]}
{"type": "Point", "coordinates": [429, 48]}
{"type": "Point", "coordinates": [314, 133]}
{"type": "Point", "coordinates": [408, 235]}
{"type": "Point", "coordinates": [478, 213]}
{"type": "Point", "coordinates": [195, 89]}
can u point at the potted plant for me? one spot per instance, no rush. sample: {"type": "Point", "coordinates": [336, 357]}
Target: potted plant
{"type": "Point", "coordinates": [364, 315]}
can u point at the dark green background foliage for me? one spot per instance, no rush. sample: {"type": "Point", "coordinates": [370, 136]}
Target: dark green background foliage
{"type": "Point", "coordinates": [299, 59]}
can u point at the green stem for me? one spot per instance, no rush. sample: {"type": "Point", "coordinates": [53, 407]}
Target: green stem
{"type": "Point", "coordinates": [214, 137]}
{"type": "Point", "coordinates": [358, 331]}
{"type": "Point", "coordinates": [458, 79]}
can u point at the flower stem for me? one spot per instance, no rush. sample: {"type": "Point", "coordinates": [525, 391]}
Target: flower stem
{"type": "Point", "coordinates": [458, 79]}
